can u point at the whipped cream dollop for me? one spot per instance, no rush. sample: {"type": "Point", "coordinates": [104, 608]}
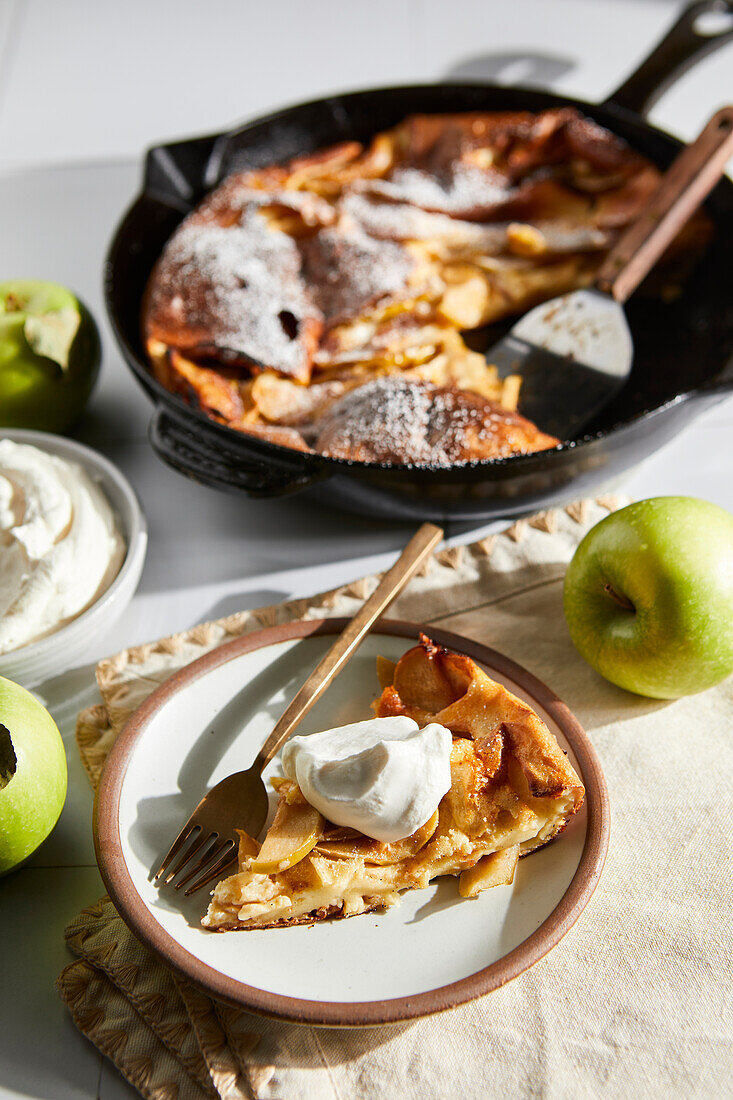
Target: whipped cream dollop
{"type": "Point", "coordinates": [384, 777]}
{"type": "Point", "coordinates": [59, 543]}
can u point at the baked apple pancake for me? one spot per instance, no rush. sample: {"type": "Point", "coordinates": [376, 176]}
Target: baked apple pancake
{"type": "Point", "coordinates": [291, 286]}
{"type": "Point", "coordinates": [453, 776]}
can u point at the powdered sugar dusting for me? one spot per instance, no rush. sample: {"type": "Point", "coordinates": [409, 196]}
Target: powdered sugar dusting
{"type": "Point", "coordinates": [401, 222]}
{"type": "Point", "coordinates": [236, 195]}
{"type": "Point", "coordinates": [395, 419]}
{"type": "Point", "coordinates": [385, 418]}
{"type": "Point", "coordinates": [464, 192]}
{"type": "Point", "coordinates": [238, 288]}
{"type": "Point", "coordinates": [351, 272]}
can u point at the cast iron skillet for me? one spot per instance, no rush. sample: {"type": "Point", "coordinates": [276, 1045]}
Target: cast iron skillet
{"type": "Point", "coordinates": [683, 349]}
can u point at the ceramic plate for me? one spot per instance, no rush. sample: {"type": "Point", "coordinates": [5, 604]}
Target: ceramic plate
{"type": "Point", "coordinates": [432, 951]}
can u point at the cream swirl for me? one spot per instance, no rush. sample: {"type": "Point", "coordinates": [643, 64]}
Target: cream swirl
{"type": "Point", "coordinates": [384, 777]}
{"type": "Point", "coordinates": [59, 544]}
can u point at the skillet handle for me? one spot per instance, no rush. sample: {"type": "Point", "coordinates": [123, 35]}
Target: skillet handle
{"type": "Point", "coordinates": [682, 47]}
{"type": "Point", "coordinates": [222, 466]}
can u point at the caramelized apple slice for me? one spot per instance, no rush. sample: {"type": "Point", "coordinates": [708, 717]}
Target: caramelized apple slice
{"type": "Point", "coordinates": [466, 297]}
{"type": "Point", "coordinates": [420, 680]}
{"type": "Point", "coordinates": [389, 704]}
{"type": "Point", "coordinates": [340, 832]}
{"type": "Point", "coordinates": [385, 671]}
{"type": "Point", "coordinates": [297, 828]}
{"type": "Point", "coordinates": [374, 851]}
{"type": "Point", "coordinates": [496, 869]}
{"type": "Point", "coordinates": [248, 846]}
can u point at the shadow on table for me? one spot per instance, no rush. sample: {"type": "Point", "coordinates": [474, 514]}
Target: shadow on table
{"type": "Point", "coordinates": [512, 67]}
{"type": "Point", "coordinates": [68, 693]}
{"type": "Point", "coordinates": [243, 601]}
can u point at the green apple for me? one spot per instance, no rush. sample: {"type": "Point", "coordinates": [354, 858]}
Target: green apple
{"type": "Point", "coordinates": [649, 596]}
{"type": "Point", "coordinates": [49, 355]}
{"type": "Point", "coordinates": [32, 774]}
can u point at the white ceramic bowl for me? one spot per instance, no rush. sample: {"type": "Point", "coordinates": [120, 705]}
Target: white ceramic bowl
{"type": "Point", "coordinates": [31, 664]}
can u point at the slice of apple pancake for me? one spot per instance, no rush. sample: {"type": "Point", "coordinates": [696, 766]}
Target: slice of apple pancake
{"type": "Point", "coordinates": [512, 790]}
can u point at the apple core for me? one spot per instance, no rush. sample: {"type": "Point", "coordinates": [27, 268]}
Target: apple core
{"type": "Point", "coordinates": [32, 775]}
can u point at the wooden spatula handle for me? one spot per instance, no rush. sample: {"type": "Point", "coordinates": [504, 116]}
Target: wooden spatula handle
{"type": "Point", "coordinates": [343, 649]}
{"type": "Point", "coordinates": [684, 186]}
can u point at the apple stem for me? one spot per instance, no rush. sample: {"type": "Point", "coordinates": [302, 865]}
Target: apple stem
{"type": "Point", "coordinates": [620, 600]}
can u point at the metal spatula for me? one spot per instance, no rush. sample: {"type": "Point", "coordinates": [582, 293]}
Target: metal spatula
{"type": "Point", "coordinates": [575, 352]}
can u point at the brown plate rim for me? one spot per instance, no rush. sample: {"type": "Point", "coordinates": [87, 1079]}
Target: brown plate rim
{"type": "Point", "coordinates": [112, 866]}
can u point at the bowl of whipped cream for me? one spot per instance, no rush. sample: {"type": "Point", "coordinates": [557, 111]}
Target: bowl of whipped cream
{"type": "Point", "coordinates": [72, 547]}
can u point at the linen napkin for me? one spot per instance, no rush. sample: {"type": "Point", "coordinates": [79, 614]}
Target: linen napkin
{"type": "Point", "coordinates": [634, 1001]}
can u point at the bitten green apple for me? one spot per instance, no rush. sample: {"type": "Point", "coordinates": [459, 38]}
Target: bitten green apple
{"type": "Point", "coordinates": [649, 596]}
{"type": "Point", "coordinates": [32, 774]}
{"type": "Point", "coordinates": [49, 355]}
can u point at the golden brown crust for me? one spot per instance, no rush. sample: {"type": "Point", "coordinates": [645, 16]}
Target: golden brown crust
{"type": "Point", "coordinates": [325, 912]}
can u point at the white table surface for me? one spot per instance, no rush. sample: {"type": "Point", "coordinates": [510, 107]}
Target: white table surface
{"type": "Point", "coordinates": [85, 86]}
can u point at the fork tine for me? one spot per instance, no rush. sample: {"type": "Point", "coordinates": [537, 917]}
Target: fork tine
{"type": "Point", "coordinates": [207, 859]}
{"type": "Point", "coordinates": [227, 857]}
{"type": "Point", "coordinates": [174, 849]}
{"type": "Point", "coordinates": [188, 853]}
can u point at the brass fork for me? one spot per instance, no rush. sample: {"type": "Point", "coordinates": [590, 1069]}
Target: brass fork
{"type": "Point", "coordinates": [240, 801]}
